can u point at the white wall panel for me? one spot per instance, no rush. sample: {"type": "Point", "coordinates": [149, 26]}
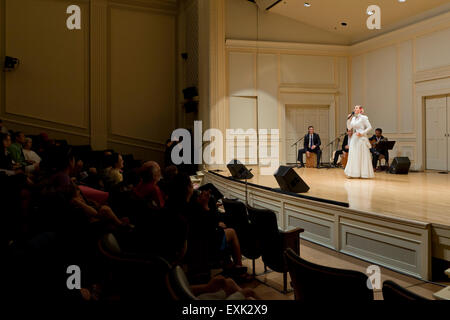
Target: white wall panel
{"type": "Point", "coordinates": [381, 88]}
{"type": "Point", "coordinates": [357, 83]}
{"type": "Point", "coordinates": [268, 91]}
{"type": "Point", "coordinates": [432, 50]}
{"type": "Point", "coordinates": [300, 69]}
{"type": "Point", "coordinates": [52, 81]}
{"type": "Point", "coordinates": [242, 74]}
{"type": "Point", "coordinates": [242, 113]}
{"type": "Point", "coordinates": [405, 56]}
{"type": "Point", "coordinates": [142, 87]}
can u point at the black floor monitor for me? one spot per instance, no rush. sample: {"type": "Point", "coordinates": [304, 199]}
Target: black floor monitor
{"type": "Point", "coordinates": [290, 181]}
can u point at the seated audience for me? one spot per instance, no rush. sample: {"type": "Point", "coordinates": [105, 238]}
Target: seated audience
{"type": "Point", "coordinates": [113, 171]}
{"type": "Point", "coordinates": [16, 149]}
{"type": "Point", "coordinates": [209, 238]}
{"type": "Point", "coordinates": [29, 154]}
{"type": "Point", "coordinates": [148, 188]}
{"type": "Point", "coordinates": [94, 213]}
{"type": "Point", "coordinates": [6, 161]}
{"type": "Point", "coordinates": [174, 247]}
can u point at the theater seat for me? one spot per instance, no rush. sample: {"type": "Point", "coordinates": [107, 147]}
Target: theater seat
{"type": "Point", "coordinates": [274, 241]}
{"type": "Point", "coordinates": [238, 219]}
{"type": "Point", "coordinates": [179, 285]}
{"type": "Point", "coordinates": [313, 282]}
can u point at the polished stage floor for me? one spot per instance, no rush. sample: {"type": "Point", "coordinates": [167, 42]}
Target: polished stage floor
{"type": "Point", "coordinates": [420, 196]}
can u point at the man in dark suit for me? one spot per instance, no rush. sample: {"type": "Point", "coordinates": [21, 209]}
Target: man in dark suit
{"type": "Point", "coordinates": [345, 146]}
{"type": "Point", "coordinates": [375, 139]}
{"type": "Point", "coordinates": [311, 143]}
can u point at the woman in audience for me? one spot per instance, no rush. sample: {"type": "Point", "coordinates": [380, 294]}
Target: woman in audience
{"type": "Point", "coordinates": [148, 188]}
{"type": "Point", "coordinates": [93, 212]}
{"type": "Point", "coordinates": [29, 154]}
{"type": "Point", "coordinates": [205, 228]}
{"type": "Point", "coordinates": [113, 171]}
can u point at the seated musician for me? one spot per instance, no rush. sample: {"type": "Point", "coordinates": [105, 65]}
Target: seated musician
{"type": "Point", "coordinates": [374, 140]}
{"type": "Point", "coordinates": [311, 143]}
{"type": "Point", "coordinates": [345, 147]}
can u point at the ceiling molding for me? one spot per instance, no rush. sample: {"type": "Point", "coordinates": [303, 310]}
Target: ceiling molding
{"type": "Point", "coordinates": [287, 46]}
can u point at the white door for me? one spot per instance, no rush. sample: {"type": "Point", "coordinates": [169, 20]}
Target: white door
{"type": "Point", "coordinates": [436, 133]}
{"type": "Point", "coordinates": [298, 119]}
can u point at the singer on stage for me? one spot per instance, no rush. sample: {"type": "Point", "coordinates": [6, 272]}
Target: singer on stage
{"type": "Point", "coordinates": [359, 163]}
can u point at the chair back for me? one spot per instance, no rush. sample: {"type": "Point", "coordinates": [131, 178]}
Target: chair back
{"type": "Point", "coordinates": [238, 219]}
{"type": "Point", "coordinates": [180, 285]}
{"type": "Point", "coordinates": [394, 292]}
{"type": "Point", "coordinates": [313, 282]}
{"type": "Point", "coordinates": [266, 228]}
{"type": "Point", "coordinates": [110, 244]}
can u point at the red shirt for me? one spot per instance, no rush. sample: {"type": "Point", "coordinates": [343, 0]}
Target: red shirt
{"type": "Point", "coordinates": [150, 192]}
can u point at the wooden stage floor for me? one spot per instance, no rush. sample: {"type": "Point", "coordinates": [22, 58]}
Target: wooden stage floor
{"type": "Point", "coordinates": [420, 196]}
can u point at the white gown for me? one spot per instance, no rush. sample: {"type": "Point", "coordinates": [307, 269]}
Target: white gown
{"type": "Point", "coordinates": [359, 163]}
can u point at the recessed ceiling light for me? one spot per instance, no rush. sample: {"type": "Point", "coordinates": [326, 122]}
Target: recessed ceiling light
{"type": "Point", "coordinates": [307, 4]}
{"type": "Point", "coordinates": [401, 0]}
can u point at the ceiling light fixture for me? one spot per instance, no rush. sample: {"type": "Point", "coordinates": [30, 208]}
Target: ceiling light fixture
{"type": "Point", "coordinates": [401, 0]}
{"type": "Point", "coordinates": [307, 4]}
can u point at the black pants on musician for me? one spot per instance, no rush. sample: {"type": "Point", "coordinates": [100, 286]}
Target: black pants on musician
{"type": "Point", "coordinates": [376, 155]}
{"type": "Point", "coordinates": [336, 156]}
{"type": "Point", "coordinates": [317, 151]}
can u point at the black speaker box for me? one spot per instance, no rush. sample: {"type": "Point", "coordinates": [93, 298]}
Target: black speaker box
{"type": "Point", "coordinates": [239, 171]}
{"type": "Point", "coordinates": [290, 181]}
{"type": "Point", "coordinates": [400, 165]}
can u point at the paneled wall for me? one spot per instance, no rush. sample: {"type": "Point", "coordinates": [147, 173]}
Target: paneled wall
{"type": "Point", "coordinates": [112, 84]}
{"type": "Point", "coordinates": [263, 78]}
{"type": "Point", "coordinates": [390, 75]}
{"type": "Point", "coordinates": [386, 76]}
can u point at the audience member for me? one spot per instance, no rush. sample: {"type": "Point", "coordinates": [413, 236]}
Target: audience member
{"type": "Point", "coordinates": [29, 154]}
{"type": "Point", "coordinates": [148, 188]}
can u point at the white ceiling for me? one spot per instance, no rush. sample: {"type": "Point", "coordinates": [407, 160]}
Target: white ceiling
{"type": "Point", "coordinates": [328, 14]}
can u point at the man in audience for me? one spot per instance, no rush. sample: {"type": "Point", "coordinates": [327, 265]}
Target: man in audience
{"type": "Point", "coordinates": [16, 149]}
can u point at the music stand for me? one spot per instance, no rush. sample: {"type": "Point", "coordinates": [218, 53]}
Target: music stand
{"type": "Point", "coordinates": [240, 172]}
{"type": "Point", "coordinates": [384, 145]}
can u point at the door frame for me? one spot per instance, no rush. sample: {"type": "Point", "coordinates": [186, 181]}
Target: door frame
{"type": "Point", "coordinates": [447, 96]}
{"type": "Point", "coordinates": [422, 90]}
{"type": "Point", "coordinates": [308, 97]}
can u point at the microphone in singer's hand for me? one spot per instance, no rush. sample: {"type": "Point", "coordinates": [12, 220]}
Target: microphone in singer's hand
{"type": "Point", "coordinates": [351, 115]}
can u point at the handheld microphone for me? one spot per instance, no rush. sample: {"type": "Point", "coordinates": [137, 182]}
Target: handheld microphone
{"type": "Point", "coordinates": [351, 115]}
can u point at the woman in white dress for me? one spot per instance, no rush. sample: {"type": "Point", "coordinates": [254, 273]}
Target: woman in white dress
{"type": "Point", "coordinates": [359, 163]}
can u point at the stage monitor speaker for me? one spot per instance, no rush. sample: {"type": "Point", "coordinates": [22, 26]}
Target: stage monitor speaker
{"type": "Point", "coordinates": [400, 165]}
{"type": "Point", "coordinates": [238, 170]}
{"type": "Point", "coordinates": [290, 181]}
